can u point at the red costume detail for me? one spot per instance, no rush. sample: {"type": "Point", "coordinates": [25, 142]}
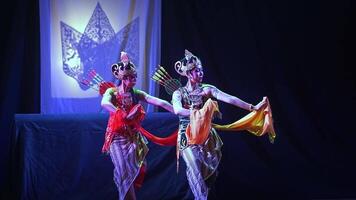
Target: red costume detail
{"type": "Point", "coordinates": [103, 86]}
{"type": "Point", "coordinates": [119, 124]}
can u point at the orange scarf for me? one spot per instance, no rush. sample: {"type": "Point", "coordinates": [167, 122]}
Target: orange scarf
{"type": "Point", "coordinates": [257, 122]}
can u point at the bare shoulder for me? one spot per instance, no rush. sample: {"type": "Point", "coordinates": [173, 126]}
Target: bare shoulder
{"type": "Point", "coordinates": [110, 91]}
{"type": "Point", "coordinates": [141, 94]}
{"type": "Point", "coordinates": [208, 86]}
{"type": "Point", "coordinates": [176, 93]}
{"type": "Point", "coordinates": [208, 89]}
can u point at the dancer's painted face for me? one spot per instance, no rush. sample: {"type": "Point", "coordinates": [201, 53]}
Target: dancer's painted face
{"type": "Point", "coordinates": [196, 75]}
{"type": "Point", "coordinates": [129, 80]}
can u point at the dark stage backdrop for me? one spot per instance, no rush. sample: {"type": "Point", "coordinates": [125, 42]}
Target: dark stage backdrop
{"type": "Point", "coordinates": [20, 73]}
{"type": "Point", "coordinates": [298, 53]}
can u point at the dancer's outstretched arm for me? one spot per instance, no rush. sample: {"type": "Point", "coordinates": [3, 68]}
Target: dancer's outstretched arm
{"type": "Point", "coordinates": [155, 101]}
{"type": "Point", "coordinates": [227, 98]}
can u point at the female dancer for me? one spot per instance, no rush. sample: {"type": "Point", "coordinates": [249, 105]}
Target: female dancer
{"type": "Point", "coordinates": [201, 152]}
{"type": "Point", "coordinates": [123, 139]}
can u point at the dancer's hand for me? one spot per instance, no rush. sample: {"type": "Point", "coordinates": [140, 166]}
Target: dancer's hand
{"type": "Point", "coordinates": [260, 105]}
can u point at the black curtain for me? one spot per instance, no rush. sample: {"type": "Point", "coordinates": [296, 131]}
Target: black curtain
{"type": "Point", "coordinates": [20, 72]}
{"type": "Point", "coordinates": [298, 53]}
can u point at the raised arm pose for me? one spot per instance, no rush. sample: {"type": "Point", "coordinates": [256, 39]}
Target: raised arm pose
{"type": "Point", "coordinates": [201, 158]}
{"type": "Point", "coordinates": [123, 139]}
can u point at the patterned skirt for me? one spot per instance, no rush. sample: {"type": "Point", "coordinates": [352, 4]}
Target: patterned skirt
{"type": "Point", "coordinates": [128, 154]}
{"type": "Point", "coordinates": [201, 160]}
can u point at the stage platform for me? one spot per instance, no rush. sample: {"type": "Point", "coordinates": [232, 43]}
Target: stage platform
{"type": "Point", "coordinates": [59, 157]}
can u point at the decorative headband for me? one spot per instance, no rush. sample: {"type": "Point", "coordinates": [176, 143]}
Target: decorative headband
{"type": "Point", "coordinates": [186, 64]}
{"type": "Point", "coordinates": [123, 68]}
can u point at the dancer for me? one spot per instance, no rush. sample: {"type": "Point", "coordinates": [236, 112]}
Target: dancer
{"type": "Point", "coordinates": [198, 143]}
{"type": "Point", "coordinates": [123, 139]}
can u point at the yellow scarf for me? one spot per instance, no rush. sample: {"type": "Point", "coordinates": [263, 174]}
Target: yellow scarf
{"type": "Point", "coordinates": [257, 122]}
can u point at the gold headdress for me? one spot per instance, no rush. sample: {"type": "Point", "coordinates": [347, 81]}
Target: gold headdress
{"type": "Point", "coordinates": [189, 62]}
{"type": "Point", "coordinates": [123, 68]}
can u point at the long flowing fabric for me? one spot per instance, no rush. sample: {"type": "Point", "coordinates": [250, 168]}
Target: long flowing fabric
{"type": "Point", "coordinates": [118, 124]}
{"type": "Point", "coordinates": [170, 140]}
{"type": "Point", "coordinates": [200, 122]}
{"type": "Point", "coordinates": [257, 122]}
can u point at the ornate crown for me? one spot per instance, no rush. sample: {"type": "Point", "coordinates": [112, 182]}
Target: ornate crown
{"type": "Point", "coordinates": [189, 62]}
{"type": "Point", "coordinates": [123, 68]}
